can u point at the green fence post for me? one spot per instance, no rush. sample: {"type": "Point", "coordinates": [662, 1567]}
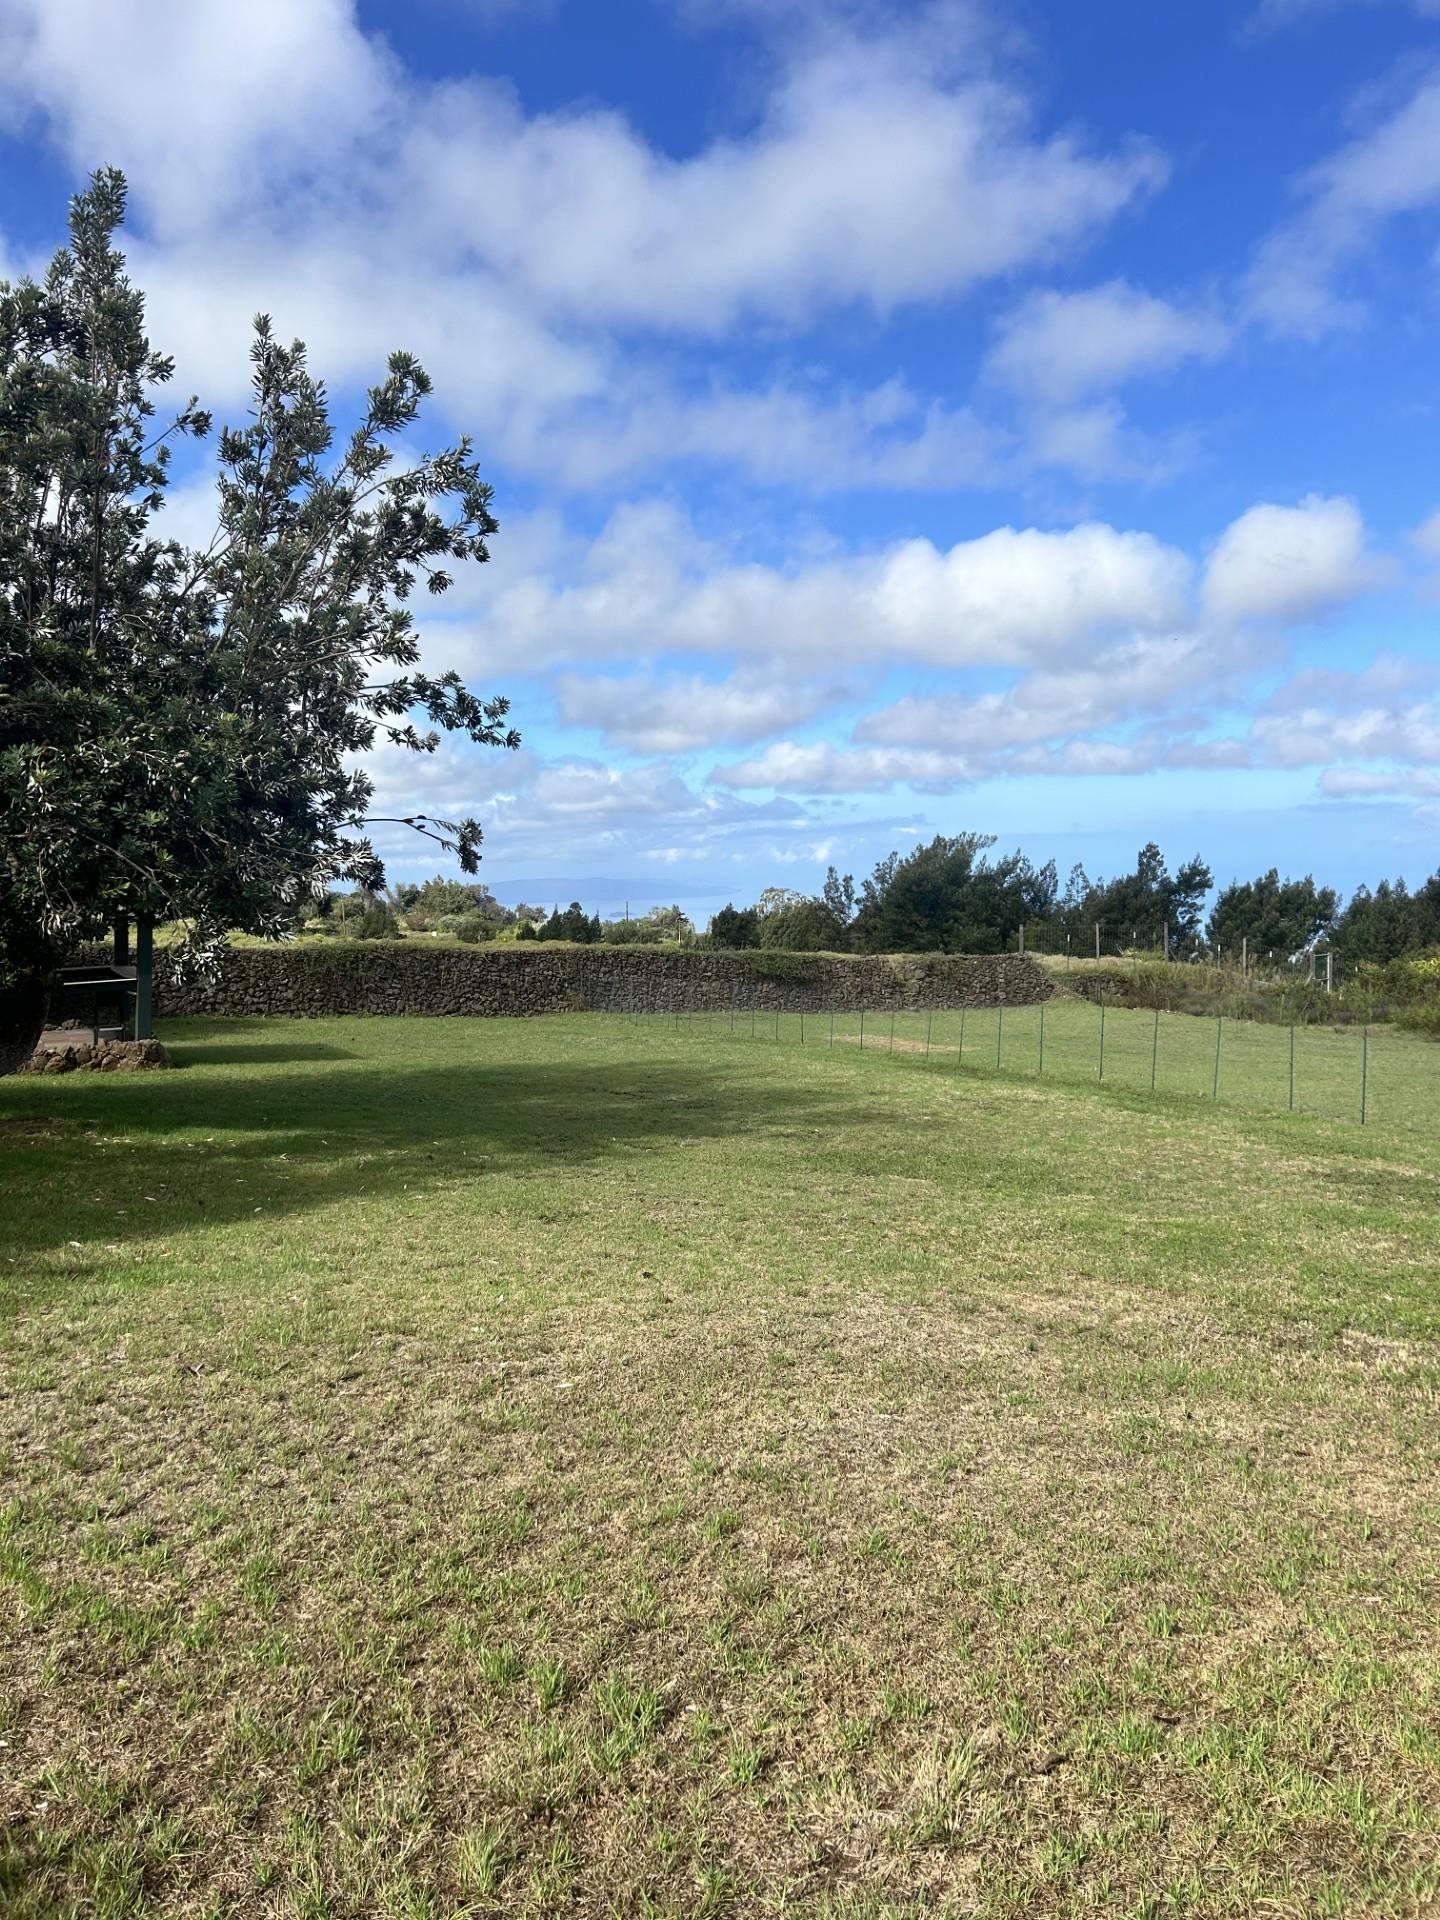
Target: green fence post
{"type": "Point", "coordinates": [1292, 1067]}
{"type": "Point", "coordinates": [999, 1033]}
{"type": "Point", "coordinates": [1042, 1039]}
{"type": "Point", "coordinates": [832, 1026]}
{"type": "Point", "coordinates": [929, 1018]}
{"type": "Point", "coordinates": [802, 1026]}
{"type": "Point", "coordinates": [892, 1032]}
{"type": "Point", "coordinates": [1154, 1049]}
{"type": "Point", "coordinates": [1102, 1039]}
{"type": "Point", "coordinates": [960, 1055]}
{"type": "Point", "coordinates": [862, 1029]}
{"type": "Point", "coordinates": [1364, 1070]}
{"type": "Point", "coordinates": [1215, 1085]}
{"type": "Point", "coordinates": [777, 1026]}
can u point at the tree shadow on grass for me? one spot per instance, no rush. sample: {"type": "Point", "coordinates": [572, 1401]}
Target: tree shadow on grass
{"type": "Point", "coordinates": [109, 1159]}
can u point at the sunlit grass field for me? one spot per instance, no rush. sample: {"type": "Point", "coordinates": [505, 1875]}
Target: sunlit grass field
{"type": "Point", "coordinates": [1372, 1076]}
{"type": "Point", "coordinates": [586, 1467]}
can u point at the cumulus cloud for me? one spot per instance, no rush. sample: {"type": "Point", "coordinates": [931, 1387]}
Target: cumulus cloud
{"type": "Point", "coordinates": [1010, 596]}
{"type": "Point", "coordinates": [1121, 685]}
{"type": "Point", "coordinates": [601, 815]}
{"type": "Point", "coordinates": [1289, 563]}
{"type": "Point", "coordinates": [788, 767]}
{"type": "Point", "coordinates": [277, 158]}
{"type": "Point", "coordinates": [1316, 736]}
{"type": "Point", "coordinates": [681, 712]}
{"type": "Point", "coordinates": [1058, 346]}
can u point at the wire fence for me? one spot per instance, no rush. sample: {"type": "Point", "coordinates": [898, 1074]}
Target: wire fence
{"type": "Point", "coordinates": [1371, 1076]}
{"type": "Point", "coordinates": [1077, 941]}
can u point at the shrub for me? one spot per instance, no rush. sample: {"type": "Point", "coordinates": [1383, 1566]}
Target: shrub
{"type": "Point", "coordinates": [471, 927]}
{"type": "Point", "coordinates": [772, 963]}
{"type": "Point", "coordinates": [1423, 1017]}
{"type": "Point", "coordinates": [377, 922]}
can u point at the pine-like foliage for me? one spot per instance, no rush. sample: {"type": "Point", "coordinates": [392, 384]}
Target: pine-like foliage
{"type": "Point", "coordinates": [179, 729]}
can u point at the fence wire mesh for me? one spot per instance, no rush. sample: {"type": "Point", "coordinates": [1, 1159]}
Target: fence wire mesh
{"type": "Point", "coordinates": [1373, 1077]}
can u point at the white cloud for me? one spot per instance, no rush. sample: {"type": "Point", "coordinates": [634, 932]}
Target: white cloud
{"type": "Point", "coordinates": [1057, 346]}
{"type": "Point", "coordinates": [1426, 537]}
{"type": "Point", "coordinates": [1357, 783]}
{"type": "Point", "coordinates": [285, 161]}
{"type": "Point", "coordinates": [1394, 169]}
{"type": "Point", "coordinates": [1011, 596]}
{"type": "Point", "coordinates": [1273, 16]}
{"type": "Point", "coordinates": [787, 767]}
{"type": "Point", "coordinates": [605, 816]}
{"type": "Point", "coordinates": [683, 712]}
{"type": "Point", "coordinates": [1315, 736]}
{"type": "Point", "coordinates": [868, 178]}
{"type": "Point", "coordinates": [1121, 684]}
{"type": "Point", "coordinates": [1288, 563]}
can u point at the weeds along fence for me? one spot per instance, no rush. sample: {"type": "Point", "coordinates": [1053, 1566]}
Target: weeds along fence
{"type": "Point", "coordinates": [1089, 940]}
{"type": "Point", "coordinates": [1368, 1076]}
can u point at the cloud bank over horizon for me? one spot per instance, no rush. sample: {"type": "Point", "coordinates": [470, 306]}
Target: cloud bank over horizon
{"type": "Point", "coordinates": [898, 421]}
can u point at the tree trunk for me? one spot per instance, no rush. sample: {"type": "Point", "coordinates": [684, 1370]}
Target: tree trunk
{"type": "Point", "coordinates": [23, 1007]}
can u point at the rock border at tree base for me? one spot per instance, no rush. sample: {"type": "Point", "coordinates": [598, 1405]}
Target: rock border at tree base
{"type": "Point", "coordinates": [102, 1056]}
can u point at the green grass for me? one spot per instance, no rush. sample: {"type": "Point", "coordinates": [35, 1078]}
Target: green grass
{"type": "Point", "coordinates": [571, 1468]}
{"type": "Point", "coordinates": [1338, 1072]}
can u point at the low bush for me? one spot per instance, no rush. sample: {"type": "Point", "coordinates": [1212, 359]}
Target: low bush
{"type": "Point", "coordinates": [471, 928]}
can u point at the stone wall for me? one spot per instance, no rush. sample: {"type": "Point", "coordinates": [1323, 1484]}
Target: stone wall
{"type": "Point", "coordinates": [362, 977]}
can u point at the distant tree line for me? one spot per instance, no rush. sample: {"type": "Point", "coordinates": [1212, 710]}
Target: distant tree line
{"type": "Point", "coordinates": [953, 895]}
{"type": "Point", "coordinates": [467, 911]}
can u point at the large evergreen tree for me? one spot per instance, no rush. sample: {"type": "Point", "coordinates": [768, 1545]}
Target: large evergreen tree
{"type": "Point", "coordinates": [1389, 921]}
{"type": "Point", "coordinates": [950, 897]}
{"type": "Point", "coordinates": [178, 729]}
{"type": "Point", "coordinates": [1275, 916]}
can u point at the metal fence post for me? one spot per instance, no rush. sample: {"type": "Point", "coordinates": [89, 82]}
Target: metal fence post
{"type": "Point", "coordinates": [862, 1029]}
{"type": "Point", "coordinates": [1215, 1084]}
{"type": "Point", "coordinates": [832, 1026]}
{"type": "Point", "coordinates": [1154, 1049]}
{"type": "Point", "coordinates": [929, 1022]}
{"type": "Point", "coordinates": [1364, 1071]}
{"type": "Point", "coordinates": [1097, 939]}
{"type": "Point", "coordinates": [1292, 1067]}
{"type": "Point", "coordinates": [1042, 1039]}
{"type": "Point", "coordinates": [1102, 1039]}
{"type": "Point", "coordinates": [1022, 936]}
{"type": "Point", "coordinates": [960, 1056]}
{"type": "Point", "coordinates": [892, 1030]}
{"type": "Point", "coordinates": [999, 1033]}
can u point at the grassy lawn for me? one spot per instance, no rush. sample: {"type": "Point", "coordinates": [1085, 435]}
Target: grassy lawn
{"type": "Point", "coordinates": [1389, 1076]}
{"type": "Point", "coordinates": [564, 1467]}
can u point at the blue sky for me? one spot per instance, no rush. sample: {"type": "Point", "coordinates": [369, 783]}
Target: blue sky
{"type": "Point", "coordinates": [904, 418]}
